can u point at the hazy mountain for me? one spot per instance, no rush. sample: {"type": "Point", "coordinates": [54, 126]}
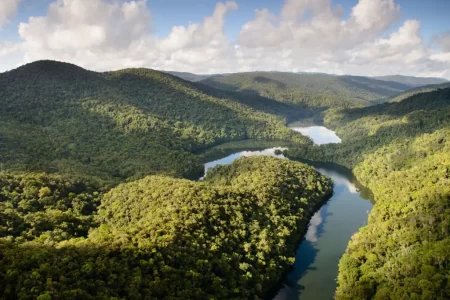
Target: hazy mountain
{"type": "Point", "coordinates": [188, 76]}
{"type": "Point", "coordinates": [309, 90]}
{"type": "Point", "coordinates": [411, 80]}
{"type": "Point", "coordinates": [418, 90]}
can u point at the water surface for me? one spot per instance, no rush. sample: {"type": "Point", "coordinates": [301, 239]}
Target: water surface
{"type": "Point", "coordinates": [319, 134]}
{"type": "Point", "coordinates": [316, 265]}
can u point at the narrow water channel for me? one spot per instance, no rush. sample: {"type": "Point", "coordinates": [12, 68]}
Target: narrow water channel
{"type": "Point", "coordinates": [314, 272]}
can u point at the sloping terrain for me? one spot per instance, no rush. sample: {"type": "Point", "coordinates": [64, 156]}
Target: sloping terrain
{"type": "Point", "coordinates": [58, 117]}
{"type": "Point", "coordinates": [309, 90]}
{"type": "Point", "coordinates": [231, 236]}
{"type": "Point", "coordinates": [188, 76]}
{"type": "Point", "coordinates": [423, 89]}
{"type": "Point", "coordinates": [412, 81]}
{"type": "Point", "coordinates": [401, 151]}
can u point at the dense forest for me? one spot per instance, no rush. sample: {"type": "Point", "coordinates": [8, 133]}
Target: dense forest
{"type": "Point", "coordinates": [96, 200]}
{"type": "Point", "coordinates": [422, 89]}
{"type": "Point", "coordinates": [59, 118]}
{"type": "Point", "coordinates": [412, 81]}
{"type": "Point", "coordinates": [230, 236]}
{"type": "Point", "coordinates": [401, 151]}
{"type": "Point", "coordinates": [404, 252]}
{"type": "Point", "coordinates": [309, 91]}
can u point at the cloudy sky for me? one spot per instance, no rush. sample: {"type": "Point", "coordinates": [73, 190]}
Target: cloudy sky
{"type": "Point", "coordinates": [359, 37]}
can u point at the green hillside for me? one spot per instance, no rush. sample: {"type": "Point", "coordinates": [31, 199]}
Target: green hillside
{"type": "Point", "coordinates": [401, 151]}
{"type": "Point", "coordinates": [422, 89]}
{"type": "Point", "coordinates": [309, 90]}
{"type": "Point", "coordinates": [231, 236]}
{"type": "Point", "coordinates": [412, 81]}
{"type": "Point", "coordinates": [58, 117]}
{"type": "Point", "coordinates": [188, 76]}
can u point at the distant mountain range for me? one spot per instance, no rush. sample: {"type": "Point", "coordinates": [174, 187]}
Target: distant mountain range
{"type": "Point", "coordinates": [418, 90]}
{"type": "Point", "coordinates": [188, 76]}
{"type": "Point", "coordinates": [412, 81]}
{"type": "Point", "coordinates": [309, 90]}
{"type": "Point", "coordinates": [76, 234]}
{"type": "Point", "coordinates": [58, 117]}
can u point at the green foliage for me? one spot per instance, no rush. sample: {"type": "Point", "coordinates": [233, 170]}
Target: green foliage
{"type": "Point", "coordinates": [59, 118]}
{"type": "Point", "coordinates": [48, 208]}
{"type": "Point", "coordinates": [404, 252]}
{"type": "Point", "coordinates": [309, 91]}
{"type": "Point", "coordinates": [412, 81]}
{"type": "Point", "coordinates": [401, 151]}
{"type": "Point", "coordinates": [230, 236]}
{"type": "Point", "coordinates": [418, 90]}
{"type": "Point", "coordinates": [364, 130]}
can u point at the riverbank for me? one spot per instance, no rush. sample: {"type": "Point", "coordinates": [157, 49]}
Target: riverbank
{"type": "Point", "coordinates": [330, 228]}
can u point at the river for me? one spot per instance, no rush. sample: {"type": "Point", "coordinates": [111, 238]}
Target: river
{"type": "Point", "coordinates": [314, 272]}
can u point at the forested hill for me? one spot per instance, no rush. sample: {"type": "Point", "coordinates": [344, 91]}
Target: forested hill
{"type": "Point", "coordinates": [401, 151]}
{"type": "Point", "coordinates": [57, 117]}
{"type": "Point", "coordinates": [418, 90]}
{"type": "Point", "coordinates": [309, 90]}
{"type": "Point", "coordinates": [412, 81]}
{"type": "Point", "coordinates": [229, 237]}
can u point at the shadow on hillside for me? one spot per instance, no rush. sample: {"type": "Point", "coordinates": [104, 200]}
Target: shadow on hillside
{"type": "Point", "coordinates": [385, 88]}
{"type": "Point", "coordinates": [420, 102]}
{"type": "Point", "coordinates": [252, 99]}
{"type": "Point", "coordinates": [140, 86]}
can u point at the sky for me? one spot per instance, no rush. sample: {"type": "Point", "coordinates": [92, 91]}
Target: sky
{"type": "Point", "coordinates": [356, 37]}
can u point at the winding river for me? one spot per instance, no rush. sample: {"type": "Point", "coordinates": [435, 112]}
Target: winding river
{"type": "Point", "coordinates": [313, 275]}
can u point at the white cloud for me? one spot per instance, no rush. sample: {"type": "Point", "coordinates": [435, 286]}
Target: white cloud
{"type": "Point", "coordinates": [7, 9]}
{"type": "Point", "coordinates": [444, 42]}
{"type": "Point", "coordinates": [105, 35]}
{"type": "Point", "coordinates": [312, 234]}
{"type": "Point", "coordinates": [7, 48]}
{"type": "Point", "coordinates": [87, 32]}
{"type": "Point", "coordinates": [402, 46]}
{"type": "Point", "coordinates": [374, 14]}
{"type": "Point", "coordinates": [307, 35]}
{"type": "Point", "coordinates": [311, 35]}
{"type": "Point", "coordinates": [201, 47]}
{"type": "Point", "coordinates": [315, 24]}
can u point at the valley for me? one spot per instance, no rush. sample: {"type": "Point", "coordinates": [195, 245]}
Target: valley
{"type": "Point", "coordinates": [316, 266]}
{"type": "Point", "coordinates": [224, 150]}
{"type": "Point", "coordinates": [100, 194]}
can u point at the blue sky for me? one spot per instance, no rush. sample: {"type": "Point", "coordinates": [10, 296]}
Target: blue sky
{"type": "Point", "coordinates": [433, 16]}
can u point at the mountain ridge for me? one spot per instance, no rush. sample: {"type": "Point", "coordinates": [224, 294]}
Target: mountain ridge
{"type": "Point", "coordinates": [60, 117]}
{"type": "Point", "coordinates": [412, 81]}
{"type": "Point", "coordinates": [309, 90]}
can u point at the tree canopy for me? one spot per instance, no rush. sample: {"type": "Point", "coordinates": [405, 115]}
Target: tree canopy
{"type": "Point", "coordinates": [311, 92]}
{"type": "Point", "coordinates": [401, 151]}
{"type": "Point", "coordinates": [231, 236]}
{"type": "Point", "coordinates": [59, 118]}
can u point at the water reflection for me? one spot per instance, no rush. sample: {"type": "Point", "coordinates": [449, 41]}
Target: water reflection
{"type": "Point", "coordinates": [316, 265]}
{"type": "Point", "coordinates": [315, 269]}
{"type": "Point", "coordinates": [319, 134]}
{"type": "Point", "coordinates": [339, 179]}
{"type": "Point", "coordinates": [313, 230]}
{"type": "Point", "coordinates": [230, 158]}
{"type": "Point", "coordinates": [305, 257]}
